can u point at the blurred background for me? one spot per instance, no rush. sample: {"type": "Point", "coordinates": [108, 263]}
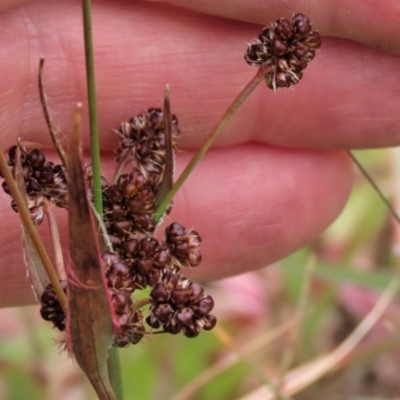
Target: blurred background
{"type": "Point", "coordinates": [279, 328]}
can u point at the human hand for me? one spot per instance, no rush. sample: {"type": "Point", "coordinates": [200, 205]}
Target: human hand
{"type": "Point", "coordinates": [276, 177]}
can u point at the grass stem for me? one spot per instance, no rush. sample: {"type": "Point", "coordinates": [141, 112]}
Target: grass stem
{"type": "Point", "coordinates": [239, 100]}
{"type": "Point", "coordinates": [91, 88]}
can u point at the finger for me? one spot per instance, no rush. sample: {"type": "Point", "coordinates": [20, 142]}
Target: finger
{"type": "Point", "coordinates": [348, 97]}
{"type": "Point", "coordinates": [374, 23]}
{"type": "Point", "coordinates": [6, 5]}
{"type": "Point", "coordinates": [251, 205]}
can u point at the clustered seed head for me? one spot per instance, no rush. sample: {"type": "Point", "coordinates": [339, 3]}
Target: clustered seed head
{"type": "Point", "coordinates": [138, 259]}
{"type": "Point", "coordinates": [142, 140]}
{"type": "Point", "coordinates": [283, 50]}
{"type": "Point", "coordinates": [51, 308]}
{"type": "Point", "coordinates": [183, 245]}
{"type": "Point", "coordinates": [180, 305]}
{"type": "Point", "coordinates": [43, 180]}
{"type": "Point", "coordinates": [132, 332]}
{"type": "Point", "coordinates": [129, 206]}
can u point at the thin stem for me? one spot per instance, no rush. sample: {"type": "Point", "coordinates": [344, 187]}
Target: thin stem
{"type": "Point", "coordinates": [141, 303]}
{"type": "Point", "coordinates": [120, 169]}
{"type": "Point", "coordinates": [53, 132]}
{"type": "Point", "coordinates": [225, 338]}
{"type": "Point", "coordinates": [239, 100]}
{"type": "Point", "coordinates": [114, 372]}
{"type": "Point", "coordinates": [307, 374]}
{"type": "Point", "coordinates": [188, 391]}
{"type": "Point", "coordinates": [376, 188]}
{"type": "Point", "coordinates": [31, 229]}
{"type": "Point", "coordinates": [293, 340]}
{"type": "Point", "coordinates": [91, 88]}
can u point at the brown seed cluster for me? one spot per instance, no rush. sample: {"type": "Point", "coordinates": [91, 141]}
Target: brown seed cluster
{"type": "Point", "coordinates": [180, 305]}
{"type": "Point", "coordinates": [51, 308]}
{"type": "Point", "coordinates": [129, 206]}
{"type": "Point", "coordinates": [142, 141]}
{"type": "Point", "coordinates": [138, 260]}
{"type": "Point", "coordinates": [43, 180]}
{"type": "Point", "coordinates": [283, 50]}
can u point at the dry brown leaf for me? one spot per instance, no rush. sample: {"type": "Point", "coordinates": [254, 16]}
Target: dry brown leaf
{"type": "Point", "coordinates": [167, 181]}
{"type": "Point", "coordinates": [89, 322]}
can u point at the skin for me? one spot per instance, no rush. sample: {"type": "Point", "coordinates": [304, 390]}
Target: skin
{"type": "Point", "coordinates": [278, 175]}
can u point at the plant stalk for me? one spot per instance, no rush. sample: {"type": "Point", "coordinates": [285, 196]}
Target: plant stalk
{"type": "Point", "coordinates": [91, 88]}
{"type": "Point", "coordinates": [239, 100]}
{"type": "Point", "coordinates": [376, 188]}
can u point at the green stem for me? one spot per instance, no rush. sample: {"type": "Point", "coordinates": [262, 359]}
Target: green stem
{"type": "Point", "coordinates": [113, 363]}
{"type": "Point", "coordinates": [239, 100]}
{"type": "Point", "coordinates": [141, 303]}
{"type": "Point", "coordinates": [114, 372]}
{"type": "Point", "coordinates": [91, 88]}
{"type": "Point", "coordinates": [375, 186]}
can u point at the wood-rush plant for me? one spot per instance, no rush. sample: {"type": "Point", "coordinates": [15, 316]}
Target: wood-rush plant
{"type": "Point", "coordinates": [114, 252]}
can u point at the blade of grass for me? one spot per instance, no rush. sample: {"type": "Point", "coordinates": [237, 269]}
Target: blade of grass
{"type": "Point", "coordinates": [293, 340]}
{"type": "Point", "coordinates": [113, 361]}
{"type": "Point", "coordinates": [376, 188]}
{"type": "Point", "coordinates": [338, 273]}
{"type": "Point", "coordinates": [92, 99]}
{"type": "Point", "coordinates": [235, 105]}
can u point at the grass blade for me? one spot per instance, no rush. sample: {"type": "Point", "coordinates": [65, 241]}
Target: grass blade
{"type": "Point", "coordinates": [91, 88]}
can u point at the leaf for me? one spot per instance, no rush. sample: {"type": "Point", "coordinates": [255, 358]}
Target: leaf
{"type": "Point", "coordinates": [167, 181]}
{"type": "Point", "coordinates": [46, 112]}
{"type": "Point", "coordinates": [89, 323]}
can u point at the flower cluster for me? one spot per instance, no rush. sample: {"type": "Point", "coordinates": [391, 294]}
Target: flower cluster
{"type": "Point", "coordinates": [51, 308]}
{"type": "Point", "coordinates": [180, 305]}
{"type": "Point", "coordinates": [43, 181]}
{"type": "Point", "coordinates": [138, 259]}
{"type": "Point", "coordinates": [142, 141]}
{"type": "Point", "coordinates": [283, 50]}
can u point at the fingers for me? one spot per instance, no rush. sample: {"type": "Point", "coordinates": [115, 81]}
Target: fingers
{"type": "Point", "coordinates": [6, 5]}
{"type": "Point", "coordinates": [373, 23]}
{"type": "Point", "coordinates": [348, 97]}
{"type": "Point", "coordinates": [251, 205]}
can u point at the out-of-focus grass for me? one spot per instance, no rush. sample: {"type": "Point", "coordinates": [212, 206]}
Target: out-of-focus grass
{"type": "Point", "coordinates": [355, 252]}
